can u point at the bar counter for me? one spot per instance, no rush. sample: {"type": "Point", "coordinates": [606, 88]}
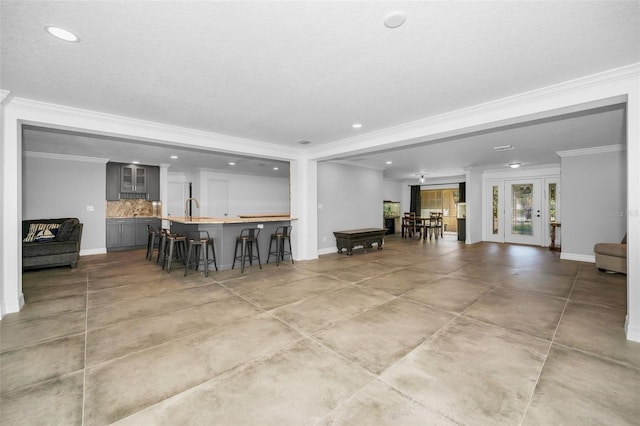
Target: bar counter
{"type": "Point", "coordinates": [225, 230]}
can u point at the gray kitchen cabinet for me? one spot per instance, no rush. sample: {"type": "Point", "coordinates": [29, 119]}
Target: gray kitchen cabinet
{"type": "Point", "coordinates": [129, 233]}
{"type": "Point", "coordinates": [113, 181]}
{"type": "Point", "coordinates": [133, 179]}
{"type": "Point", "coordinates": [153, 183]}
{"type": "Point", "coordinates": [142, 233]}
{"type": "Point", "coordinates": [120, 234]}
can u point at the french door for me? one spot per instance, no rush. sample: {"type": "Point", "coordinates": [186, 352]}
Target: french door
{"type": "Point", "coordinates": [515, 213]}
{"type": "Point", "coordinates": [523, 211]}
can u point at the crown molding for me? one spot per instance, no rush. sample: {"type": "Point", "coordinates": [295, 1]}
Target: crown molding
{"type": "Point", "coordinates": [479, 117]}
{"type": "Point", "coordinates": [356, 164]}
{"type": "Point", "coordinates": [64, 157]}
{"type": "Point", "coordinates": [589, 151]}
{"type": "Point", "coordinates": [5, 96]}
{"type": "Point", "coordinates": [64, 117]}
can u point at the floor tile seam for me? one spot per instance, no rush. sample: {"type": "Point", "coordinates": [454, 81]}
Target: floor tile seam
{"type": "Point", "coordinates": [128, 299]}
{"type": "Point", "coordinates": [506, 329]}
{"type": "Point", "coordinates": [546, 356]}
{"type": "Point", "coordinates": [288, 282]}
{"type": "Point", "coordinates": [168, 342]}
{"type": "Point", "coordinates": [372, 307]}
{"type": "Point", "coordinates": [84, 359]}
{"type": "Point", "coordinates": [600, 282]}
{"type": "Point", "coordinates": [312, 296]}
{"type": "Point", "coordinates": [40, 383]}
{"type": "Point", "coordinates": [426, 305]}
{"type": "Point", "coordinates": [343, 403]}
{"type": "Point", "coordinates": [281, 306]}
{"type": "Point", "coordinates": [438, 332]}
{"type": "Point", "coordinates": [218, 378]}
{"type": "Point", "coordinates": [50, 286]}
{"type": "Point", "coordinates": [420, 403]}
{"type": "Point", "coordinates": [602, 357]}
{"type": "Point", "coordinates": [530, 292]}
{"type": "Point", "coordinates": [42, 342]}
{"type": "Point", "coordinates": [97, 291]}
{"type": "Point", "coordinates": [314, 338]}
{"type": "Point", "coordinates": [42, 317]}
{"type": "Point", "coordinates": [160, 314]}
{"type": "Point", "coordinates": [484, 296]}
{"type": "Point", "coordinates": [597, 305]}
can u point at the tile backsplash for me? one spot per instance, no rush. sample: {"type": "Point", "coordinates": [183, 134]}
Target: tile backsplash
{"type": "Point", "coordinates": [133, 208]}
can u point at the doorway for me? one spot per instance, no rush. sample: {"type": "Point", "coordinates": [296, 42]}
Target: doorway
{"type": "Point", "coordinates": [519, 210]}
{"type": "Point", "coordinates": [523, 212]}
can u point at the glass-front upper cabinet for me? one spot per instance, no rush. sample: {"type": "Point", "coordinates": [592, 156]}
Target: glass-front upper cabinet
{"type": "Point", "coordinates": [133, 178]}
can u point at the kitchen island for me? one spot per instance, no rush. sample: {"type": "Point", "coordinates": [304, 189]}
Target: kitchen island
{"type": "Point", "coordinates": [225, 230]}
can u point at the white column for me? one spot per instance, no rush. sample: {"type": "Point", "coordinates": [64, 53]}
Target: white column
{"type": "Point", "coordinates": [164, 191]}
{"type": "Point", "coordinates": [304, 206]}
{"type": "Point", "coordinates": [632, 325]}
{"type": "Point", "coordinates": [11, 228]}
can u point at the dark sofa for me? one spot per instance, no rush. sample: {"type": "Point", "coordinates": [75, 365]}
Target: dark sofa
{"type": "Point", "coordinates": [63, 250]}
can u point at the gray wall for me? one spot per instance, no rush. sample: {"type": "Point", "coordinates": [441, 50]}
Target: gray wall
{"type": "Point", "coordinates": [351, 198]}
{"type": "Point", "coordinates": [53, 188]}
{"type": "Point", "coordinates": [594, 201]}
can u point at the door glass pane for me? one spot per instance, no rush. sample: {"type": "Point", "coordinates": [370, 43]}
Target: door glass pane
{"type": "Point", "coordinates": [494, 209]}
{"type": "Point", "coordinates": [521, 205]}
{"type": "Point", "coordinates": [553, 203]}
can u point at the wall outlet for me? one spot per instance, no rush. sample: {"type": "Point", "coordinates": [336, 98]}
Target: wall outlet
{"type": "Point", "coordinates": [260, 226]}
{"type": "Point", "coordinates": [90, 208]}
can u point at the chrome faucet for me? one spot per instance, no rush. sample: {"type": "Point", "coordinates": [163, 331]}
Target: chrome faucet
{"type": "Point", "coordinates": [186, 208]}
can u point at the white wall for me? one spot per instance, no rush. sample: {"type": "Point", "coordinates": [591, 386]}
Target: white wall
{"type": "Point", "coordinates": [351, 198]}
{"type": "Point", "coordinates": [594, 202]}
{"type": "Point", "coordinates": [248, 194]}
{"type": "Point", "coordinates": [473, 190]}
{"type": "Point", "coordinates": [3, 95]}
{"type": "Point", "coordinates": [65, 187]}
{"type": "Point", "coordinates": [392, 190]}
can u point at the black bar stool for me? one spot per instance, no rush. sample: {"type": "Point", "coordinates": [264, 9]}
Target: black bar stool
{"type": "Point", "coordinates": [245, 240]}
{"type": "Point", "coordinates": [200, 240]}
{"type": "Point", "coordinates": [282, 235]}
{"type": "Point", "coordinates": [154, 237]}
{"type": "Point", "coordinates": [175, 248]}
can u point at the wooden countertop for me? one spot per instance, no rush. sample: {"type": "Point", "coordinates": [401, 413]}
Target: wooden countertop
{"type": "Point", "coordinates": [222, 220]}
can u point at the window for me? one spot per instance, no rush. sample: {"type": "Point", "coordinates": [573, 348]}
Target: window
{"type": "Point", "coordinates": [440, 201]}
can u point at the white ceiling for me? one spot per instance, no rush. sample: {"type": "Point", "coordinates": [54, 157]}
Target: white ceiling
{"type": "Point", "coordinates": [286, 71]}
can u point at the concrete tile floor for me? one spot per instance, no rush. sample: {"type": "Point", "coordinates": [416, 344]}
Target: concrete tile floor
{"type": "Point", "coordinates": [422, 332]}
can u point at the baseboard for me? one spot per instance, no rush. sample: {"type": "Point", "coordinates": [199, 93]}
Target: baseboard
{"type": "Point", "coordinates": [12, 306]}
{"type": "Point", "coordinates": [633, 333]}
{"type": "Point", "coordinates": [578, 257]}
{"type": "Point", "coordinates": [90, 252]}
{"type": "Point", "coordinates": [327, 250]}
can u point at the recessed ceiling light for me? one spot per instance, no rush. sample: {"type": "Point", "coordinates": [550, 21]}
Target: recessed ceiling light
{"type": "Point", "coordinates": [231, 163]}
{"type": "Point", "coordinates": [389, 162]}
{"type": "Point", "coordinates": [515, 165]}
{"type": "Point", "coordinates": [62, 34]}
{"type": "Point", "coordinates": [276, 168]}
{"type": "Point", "coordinates": [395, 19]}
{"type": "Point", "coordinates": [503, 148]}
{"type": "Point", "coordinates": [357, 125]}
{"type": "Point", "coordinates": [135, 162]}
{"type": "Point", "coordinates": [174, 157]}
